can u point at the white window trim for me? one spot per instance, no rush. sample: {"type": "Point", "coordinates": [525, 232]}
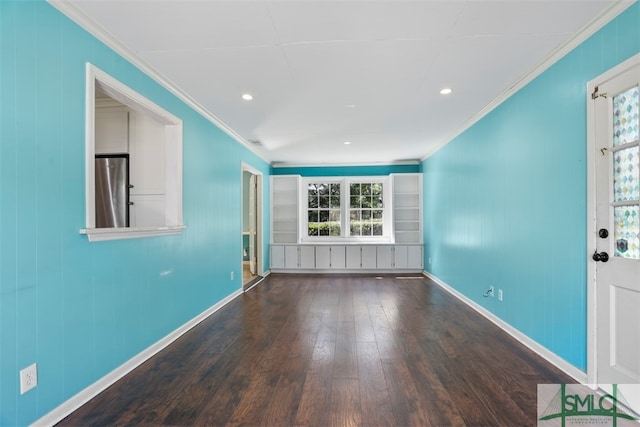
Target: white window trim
{"type": "Point", "coordinates": [345, 181]}
{"type": "Point", "coordinates": [173, 147]}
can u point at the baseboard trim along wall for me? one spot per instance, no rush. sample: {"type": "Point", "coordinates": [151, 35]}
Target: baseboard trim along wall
{"type": "Point", "coordinates": [542, 351]}
{"type": "Point", "coordinates": [75, 402]}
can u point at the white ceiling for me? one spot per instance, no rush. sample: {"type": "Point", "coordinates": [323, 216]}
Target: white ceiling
{"type": "Point", "coordinates": [325, 72]}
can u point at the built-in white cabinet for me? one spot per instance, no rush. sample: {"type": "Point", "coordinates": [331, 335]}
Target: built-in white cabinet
{"type": "Point", "coordinates": [407, 207]}
{"type": "Point", "coordinates": [407, 257]}
{"type": "Point", "coordinates": [353, 257]}
{"type": "Point", "coordinates": [112, 130]}
{"type": "Point", "coordinates": [308, 257]}
{"type": "Point", "coordinates": [284, 208]}
{"type": "Point", "coordinates": [346, 257]}
{"type": "Point", "coordinates": [384, 257]}
{"type": "Point", "coordinates": [338, 257]}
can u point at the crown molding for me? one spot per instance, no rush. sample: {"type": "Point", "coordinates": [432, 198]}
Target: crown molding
{"type": "Point", "coordinates": [92, 27]}
{"type": "Point", "coordinates": [579, 37]}
{"type": "Point", "coordinates": [410, 162]}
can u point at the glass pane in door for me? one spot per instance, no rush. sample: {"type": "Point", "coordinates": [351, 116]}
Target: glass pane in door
{"type": "Point", "coordinates": [626, 107]}
{"type": "Point", "coordinates": [626, 174]}
{"type": "Point", "coordinates": [627, 231]}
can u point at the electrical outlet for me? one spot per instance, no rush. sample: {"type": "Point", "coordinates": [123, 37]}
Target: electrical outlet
{"type": "Point", "coordinates": [232, 275]}
{"type": "Point", "coordinates": [499, 294]}
{"type": "Point", "coordinates": [28, 378]}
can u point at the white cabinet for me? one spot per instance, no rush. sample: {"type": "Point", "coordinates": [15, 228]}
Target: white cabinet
{"type": "Point", "coordinates": [330, 257]}
{"type": "Point", "coordinates": [384, 257]}
{"type": "Point", "coordinates": [284, 208]}
{"type": "Point", "coordinates": [277, 257]}
{"type": "Point", "coordinates": [323, 257]}
{"type": "Point", "coordinates": [407, 207]}
{"type": "Point", "coordinates": [147, 153]}
{"type": "Point", "coordinates": [369, 257]}
{"type": "Point", "coordinates": [353, 257]}
{"type": "Point", "coordinates": [291, 257]}
{"type": "Point", "coordinates": [111, 130]}
{"type": "Point", "coordinates": [147, 210]}
{"type": "Point", "coordinates": [338, 257]}
{"type": "Point", "coordinates": [346, 257]}
{"type": "Point", "coordinates": [308, 257]}
{"type": "Point", "coordinates": [408, 257]}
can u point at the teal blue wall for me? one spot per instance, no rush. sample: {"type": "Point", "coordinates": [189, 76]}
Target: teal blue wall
{"type": "Point", "coordinates": [374, 170]}
{"type": "Point", "coordinates": [505, 202]}
{"type": "Point", "coordinates": [81, 309]}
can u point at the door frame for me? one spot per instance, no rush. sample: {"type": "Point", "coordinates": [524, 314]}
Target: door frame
{"type": "Point", "coordinates": [245, 167]}
{"type": "Point", "coordinates": [592, 370]}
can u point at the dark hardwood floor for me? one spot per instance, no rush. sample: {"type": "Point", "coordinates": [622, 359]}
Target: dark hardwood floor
{"type": "Point", "coordinates": [327, 350]}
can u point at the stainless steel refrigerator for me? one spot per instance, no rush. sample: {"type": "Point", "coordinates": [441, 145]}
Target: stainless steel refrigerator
{"type": "Point", "coordinates": [112, 190]}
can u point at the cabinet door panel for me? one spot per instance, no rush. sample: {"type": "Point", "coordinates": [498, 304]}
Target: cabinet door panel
{"type": "Point", "coordinates": [323, 257]}
{"type": "Point", "coordinates": [384, 257]}
{"type": "Point", "coordinates": [414, 257]}
{"type": "Point", "coordinates": [400, 257]}
{"type": "Point", "coordinates": [290, 257]}
{"type": "Point", "coordinates": [369, 257]}
{"type": "Point", "coordinates": [112, 130]}
{"type": "Point", "coordinates": [307, 257]}
{"type": "Point", "coordinates": [354, 257]}
{"type": "Point", "coordinates": [338, 257]}
{"type": "Point", "coordinates": [277, 256]}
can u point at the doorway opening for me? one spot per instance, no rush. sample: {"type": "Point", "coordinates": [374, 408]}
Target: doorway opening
{"type": "Point", "coordinates": [251, 226]}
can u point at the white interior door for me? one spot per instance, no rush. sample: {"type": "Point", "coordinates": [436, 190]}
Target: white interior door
{"type": "Point", "coordinates": [252, 224]}
{"type": "Point", "coordinates": [617, 250]}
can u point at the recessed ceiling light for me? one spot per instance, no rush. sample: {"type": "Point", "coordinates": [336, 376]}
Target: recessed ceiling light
{"type": "Point", "coordinates": [446, 91]}
{"type": "Point", "coordinates": [347, 143]}
{"type": "Point", "coordinates": [247, 96]}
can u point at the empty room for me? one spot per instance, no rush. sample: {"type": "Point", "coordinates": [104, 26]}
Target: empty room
{"type": "Point", "coordinates": [319, 213]}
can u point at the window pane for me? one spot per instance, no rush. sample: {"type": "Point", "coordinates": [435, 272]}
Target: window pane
{"type": "Point", "coordinates": [626, 166]}
{"type": "Point", "coordinates": [313, 228]}
{"type": "Point", "coordinates": [627, 231]}
{"type": "Point", "coordinates": [324, 201]}
{"type": "Point", "coordinates": [355, 228]}
{"type": "Point", "coordinates": [323, 189]}
{"type": "Point", "coordinates": [312, 189]}
{"type": "Point", "coordinates": [366, 189]}
{"type": "Point", "coordinates": [377, 229]}
{"type": "Point", "coordinates": [313, 216]}
{"type": "Point", "coordinates": [355, 189]}
{"type": "Point", "coordinates": [335, 201]}
{"type": "Point", "coordinates": [355, 202]}
{"type": "Point", "coordinates": [377, 214]}
{"type": "Point", "coordinates": [376, 189]}
{"type": "Point", "coordinates": [366, 228]}
{"type": "Point", "coordinates": [376, 202]}
{"type": "Point", "coordinates": [323, 215]}
{"type": "Point", "coordinates": [335, 190]}
{"type": "Point", "coordinates": [334, 228]}
{"type": "Point", "coordinates": [313, 201]}
{"type": "Point", "coordinates": [366, 215]}
{"type": "Point", "coordinates": [625, 117]}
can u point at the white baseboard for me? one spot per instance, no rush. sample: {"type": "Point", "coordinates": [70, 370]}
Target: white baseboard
{"type": "Point", "coordinates": [537, 348]}
{"type": "Point", "coordinates": [75, 402]}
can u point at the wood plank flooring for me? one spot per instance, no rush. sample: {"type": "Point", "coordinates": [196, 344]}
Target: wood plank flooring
{"type": "Point", "coordinates": [328, 350]}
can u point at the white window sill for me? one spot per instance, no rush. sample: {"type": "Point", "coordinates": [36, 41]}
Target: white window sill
{"type": "Point", "coordinates": [102, 234]}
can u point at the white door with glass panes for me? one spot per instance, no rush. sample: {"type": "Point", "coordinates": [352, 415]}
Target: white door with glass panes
{"type": "Point", "coordinates": [616, 255]}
